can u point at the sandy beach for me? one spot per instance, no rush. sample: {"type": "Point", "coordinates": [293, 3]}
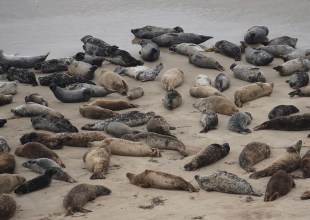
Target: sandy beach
{"type": "Point", "coordinates": [36, 27]}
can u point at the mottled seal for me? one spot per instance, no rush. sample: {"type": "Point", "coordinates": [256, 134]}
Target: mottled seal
{"type": "Point", "coordinates": [204, 91]}
{"type": "Point", "coordinates": [9, 181]}
{"type": "Point", "coordinates": [256, 34]}
{"type": "Point", "coordinates": [149, 31]}
{"type": "Point", "coordinates": [2, 122]}
{"type": "Point", "coordinates": [36, 98]}
{"type": "Point", "coordinates": [97, 47]}
{"type": "Point", "coordinates": [302, 92]}
{"type": "Point", "coordinates": [22, 76]}
{"type": "Point", "coordinates": [172, 99]}
{"type": "Point", "coordinates": [5, 99]}
{"type": "Point", "coordinates": [202, 80]}
{"type": "Point", "coordinates": [113, 81]}
{"type": "Point", "coordinates": [113, 105]}
{"type": "Point", "coordinates": [289, 161]}
{"type": "Point", "coordinates": [185, 48]}
{"type": "Point", "coordinates": [40, 165]}
{"type": "Point", "coordinates": [48, 140]}
{"type": "Point", "coordinates": [97, 160]}
{"type": "Point", "coordinates": [80, 68]}
{"type": "Point", "coordinates": [305, 164]}
{"type": "Point", "coordinates": [299, 53]}
{"type": "Point", "coordinates": [135, 93]}
{"type": "Point", "coordinates": [149, 51]}
{"type": "Point", "coordinates": [123, 58]}
{"type": "Point", "coordinates": [80, 194]}
{"type": "Point", "coordinates": [37, 183]}
{"type": "Point", "coordinates": [293, 66]}
{"type": "Point", "coordinates": [209, 120]}
{"type": "Point", "coordinates": [71, 96]}
{"type": "Point", "coordinates": [298, 80]}
{"type": "Point", "coordinates": [7, 206]}
{"type": "Point", "coordinates": [51, 66]}
{"type": "Point", "coordinates": [118, 129]}
{"type": "Point", "coordinates": [34, 150]}
{"type": "Point", "coordinates": [4, 146]}
{"type": "Point", "coordinates": [248, 73]}
{"type": "Point", "coordinates": [61, 80]}
{"type": "Point", "coordinates": [9, 88]}
{"type": "Point", "coordinates": [305, 195]}
{"type": "Point", "coordinates": [252, 91]}
{"type": "Point", "coordinates": [97, 91]}
{"type": "Point", "coordinates": [158, 124]}
{"type": "Point", "coordinates": [277, 50]}
{"type": "Point", "coordinates": [7, 162]}
{"type": "Point", "coordinates": [228, 49]}
{"type": "Point", "coordinates": [160, 180]}
{"type": "Point", "coordinates": [284, 40]}
{"type": "Point", "coordinates": [256, 56]}
{"type": "Point", "coordinates": [278, 185]}
{"type": "Point", "coordinates": [222, 82]}
{"type": "Point", "coordinates": [52, 123]}
{"type": "Point", "coordinates": [87, 58]}
{"type": "Point", "coordinates": [208, 155]}
{"type": "Point", "coordinates": [222, 181]}
{"type": "Point", "coordinates": [172, 79]}
{"type": "Point", "coordinates": [167, 40]}
{"type": "Point", "coordinates": [79, 139]}
{"type": "Point", "coordinates": [201, 59]}
{"type": "Point", "coordinates": [96, 112]}
{"type": "Point", "coordinates": [282, 110]}
{"type": "Point", "coordinates": [238, 122]}
{"type": "Point", "coordinates": [253, 153]}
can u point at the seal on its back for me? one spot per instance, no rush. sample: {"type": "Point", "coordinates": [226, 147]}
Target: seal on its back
{"type": "Point", "coordinates": [97, 91]}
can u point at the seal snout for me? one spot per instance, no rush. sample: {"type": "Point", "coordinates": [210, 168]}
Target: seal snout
{"type": "Point", "coordinates": [197, 177]}
{"type": "Point", "coordinates": [134, 30]}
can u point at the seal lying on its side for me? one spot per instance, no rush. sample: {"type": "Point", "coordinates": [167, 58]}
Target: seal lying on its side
{"type": "Point", "coordinates": [209, 120]}
{"type": "Point", "coordinates": [298, 80]}
{"type": "Point", "coordinates": [48, 140]}
{"type": "Point", "coordinates": [87, 58]}
{"type": "Point", "coordinates": [61, 79]}
{"type": "Point", "coordinates": [51, 66]}
{"type": "Point", "coordinates": [248, 73]}
{"type": "Point", "coordinates": [201, 59]}
{"type": "Point", "coordinates": [113, 81]}
{"type": "Point", "coordinates": [123, 58]}
{"type": "Point", "coordinates": [71, 96]}
{"type": "Point", "coordinates": [52, 123]}
{"type": "Point", "coordinates": [284, 40]}
{"type": "Point", "coordinates": [79, 139]}
{"type": "Point", "coordinates": [149, 31]}
{"type": "Point", "coordinates": [22, 76]}
{"type": "Point", "coordinates": [257, 57]}
{"type": "Point", "coordinates": [36, 98]}
{"type": "Point", "coordinates": [159, 125]}
{"type": "Point", "coordinates": [118, 129]}
{"type": "Point", "coordinates": [80, 68]}
{"type": "Point", "coordinates": [293, 66]}
{"type": "Point", "coordinates": [302, 92]}
{"type": "Point", "coordinates": [9, 88]}
{"type": "Point", "coordinates": [228, 49]}
{"type": "Point", "coordinates": [167, 40]}
{"type": "Point", "coordinates": [3, 122]}
{"type": "Point", "coordinates": [135, 93]}
{"type": "Point", "coordinates": [282, 110]}
{"type": "Point", "coordinates": [5, 99]}
{"type": "Point", "coordinates": [96, 112]}
{"type": "Point", "coordinates": [185, 48]}
{"type": "Point", "coordinates": [97, 91]}
{"type": "Point", "coordinates": [172, 78]}
{"type": "Point", "coordinates": [113, 105]}
{"type": "Point", "coordinates": [277, 50]}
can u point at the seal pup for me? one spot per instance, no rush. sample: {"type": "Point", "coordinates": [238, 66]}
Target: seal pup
{"type": "Point", "coordinates": [113, 105]}
{"type": "Point", "coordinates": [40, 165]}
{"type": "Point", "coordinates": [172, 79]}
{"type": "Point", "coordinates": [135, 93]}
{"type": "Point", "coordinates": [298, 80]}
{"type": "Point", "coordinates": [3, 122]}
{"type": "Point", "coordinates": [80, 194]}
{"type": "Point", "coordinates": [185, 48]}
{"type": "Point", "coordinates": [34, 150]}
{"type": "Point", "coordinates": [22, 76]}
{"type": "Point", "coordinates": [4, 146]}
{"type": "Point", "coordinates": [48, 140]}
{"type": "Point", "coordinates": [284, 40]}
{"type": "Point", "coordinates": [21, 61]}
{"type": "Point", "coordinates": [96, 112]}
{"type": "Point", "coordinates": [209, 120]}
{"type": "Point", "coordinates": [248, 73]}
{"type": "Point", "coordinates": [253, 153]}
{"type": "Point", "coordinates": [305, 164]}
{"type": "Point", "coordinates": [172, 99]}
{"type": "Point", "coordinates": [36, 98]}
{"type": "Point", "coordinates": [80, 68]}
{"type": "Point", "coordinates": [9, 181]}
{"type": "Point", "coordinates": [61, 79]}
{"type": "Point", "coordinates": [87, 58]}
{"type": "Point", "coordinates": [7, 162]}
{"type": "Point", "coordinates": [71, 96]}
{"type": "Point", "coordinates": [97, 160]}
{"type": "Point", "coordinates": [208, 155]}
{"type": "Point", "coordinates": [202, 80]}
{"type": "Point", "coordinates": [222, 82]}
{"type": "Point", "coordinates": [37, 183]}
{"type": "Point", "coordinates": [160, 180]}
{"type": "Point", "coordinates": [299, 53]}
{"type": "Point", "coordinates": [97, 91]}
{"type": "Point", "coordinates": [278, 185]}
{"type": "Point", "coordinates": [289, 161]}
{"type": "Point", "coordinates": [97, 47]}
{"type": "Point", "coordinates": [52, 123]}
{"type": "Point", "coordinates": [149, 31]}
{"type": "Point", "coordinates": [302, 92]}
{"type": "Point", "coordinates": [277, 50]}
{"type": "Point", "coordinates": [256, 35]}
{"type": "Point", "coordinates": [113, 81]}
{"type": "Point", "coordinates": [51, 66]}
{"type": "Point", "coordinates": [7, 206]}
{"type": "Point", "coordinates": [222, 181]}
{"type": "Point", "coordinates": [118, 129]}
{"type": "Point", "coordinates": [251, 92]}
{"type": "Point", "coordinates": [228, 49]}
{"type": "Point", "coordinates": [238, 122]}
{"type": "Point", "coordinates": [286, 123]}
{"type": "Point", "coordinates": [5, 99]}
{"type": "Point", "coordinates": [123, 58]}
{"type": "Point", "coordinates": [204, 91]}
{"type": "Point", "coordinates": [282, 110]}
{"type": "Point", "coordinates": [149, 51]}
{"type": "Point", "coordinates": [9, 88]}
{"type": "Point", "coordinates": [159, 125]}
{"type": "Point", "coordinates": [201, 59]}
{"type": "Point", "coordinates": [293, 66]}
{"type": "Point", "coordinates": [167, 40]}
{"type": "Point", "coordinates": [256, 56]}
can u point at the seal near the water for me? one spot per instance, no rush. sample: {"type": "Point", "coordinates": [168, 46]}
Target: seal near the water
{"type": "Point", "coordinates": [96, 46]}
{"type": "Point", "coordinates": [221, 82]}
{"type": "Point", "coordinates": [9, 181]}
{"type": "Point", "coordinates": [52, 123]}
{"type": "Point", "coordinates": [149, 32]}
{"type": "Point", "coordinates": [4, 146]}
{"type": "Point", "coordinates": [141, 73]}
{"type": "Point", "coordinates": [172, 99]}
{"type": "Point", "coordinates": [204, 91]}
{"type": "Point", "coordinates": [7, 206]}
{"type": "Point", "coordinates": [278, 185]}
{"type": "Point", "coordinates": [154, 140]}
{"type": "Point", "coordinates": [305, 195]}
{"type": "Point", "coordinates": [40, 165]}
{"type": "Point", "coordinates": [172, 78]}
{"type": "Point", "coordinates": [22, 76]}
{"type": "Point", "coordinates": [87, 58]}
{"type": "Point", "coordinates": [305, 164]}
{"type": "Point", "coordinates": [298, 80]}
{"type": "Point", "coordinates": [158, 125]}
{"type": "Point", "coordinates": [37, 183]}
{"type": "Point", "coordinates": [256, 56]}
{"type": "Point", "coordinates": [79, 139]}
{"type": "Point", "coordinates": [96, 112]}
{"type": "Point", "coordinates": [7, 162]}
{"type": "Point", "coordinates": [5, 99]}
{"type": "Point", "coordinates": [252, 91]}
{"type": "Point", "coordinates": [9, 88]}
{"type": "Point", "coordinates": [71, 96]}
{"type": "Point", "coordinates": [248, 73]}
{"type": "Point", "coordinates": [299, 53]}
{"type": "Point", "coordinates": [289, 161]}
{"type": "Point", "coordinates": [167, 40]}
{"type": "Point", "coordinates": [149, 51]}
{"type": "Point", "coordinates": [286, 123]}
{"type": "Point", "coordinates": [20, 61]}
{"type": "Point", "coordinates": [302, 92]}
{"type": "Point", "coordinates": [277, 50]}
{"type": "Point", "coordinates": [160, 180]}
{"type": "Point", "coordinates": [3, 122]}
{"type": "Point", "coordinates": [208, 120]}
{"type": "Point", "coordinates": [97, 91]}
{"type": "Point", "coordinates": [202, 80]}
{"type": "Point", "coordinates": [113, 81]}
{"type": "Point", "coordinates": [228, 49]}
{"type": "Point", "coordinates": [282, 110]}
{"type": "Point", "coordinates": [253, 153]}
{"type": "Point", "coordinates": [118, 129]}
{"type": "Point", "coordinates": [185, 48]}
{"type": "Point", "coordinates": [36, 98]}
{"type": "Point", "coordinates": [238, 122]}
{"type": "Point", "coordinates": [135, 93]}
{"type": "Point", "coordinates": [293, 66]}
{"type": "Point", "coordinates": [35, 150]}
{"type": "Point", "coordinates": [284, 40]}
{"type": "Point", "coordinates": [123, 58]}
{"type": "Point", "coordinates": [256, 35]}
{"type": "Point", "coordinates": [61, 80]}
{"type": "Point", "coordinates": [80, 194]}
{"type": "Point", "coordinates": [51, 66]}
{"type": "Point", "coordinates": [113, 105]}
{"type": "Point", "coordinates": [201, 59]}
{"type": "Point", "coordinates": [218, 104]}
{"type": "Point", "coordinates": [97, 160]}
{"type": "Point", "coordinates": [48, 140]}
{"type": "Point", "coordinates": [208, 155]}
{"type": "Point", "coordinates": [80, 68]}
{"type": "Point", "coordinates": [222, 181]}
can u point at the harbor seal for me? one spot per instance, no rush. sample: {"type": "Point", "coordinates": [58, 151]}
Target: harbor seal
{"type": "Point", "coordinates": [87, 58]}
{"type": "Point", "coordinates": [34, 150]}
{"type": "Point", "coordinates": [238, 122]}
{"type": "Point", "coordinates": [204, 91]}
{"type": "Point", "coordinates": [172, 79]}
{"type": "Point", "coordinates": [201, 59]}
{"type": "Point", "coordinates": [80, 68]}
{"type": "Point", "coordinates": [7, 206]}
{"type": "Point", "coordinates": [277, 50]}
{"type": "Point", "coordinates": [298, 53]}
{"type": "Point", "coordinates": [284, 40]}
{"type": "Point", "coordinates": [51, 66]}
{"type": "Point", "coordinates": [208, 155]}
{"type": "Point", "coordinates": [256, 35]}
{"type": "Point", "coordinates": [248, 73]}
{"type": "Point", "coordinates": [113, 105]}
{"type": "Point", "coordinates": [52, 123]}
{"type": "Point", "coordinates": [9, 88]}
{"type": "Point", "coordinates": [71, 96]}
{"type": "Point", "coordinates": [278, 185]}
{"type": "Point", "coordinates": [22, 75]}
{"type": "Point", "coordinates": [251, 92]}
{"type": "Point", "coordinates": [31, 109]}
{"type": "Point", "coordinates": [293, 66]}
{"type": "Point", "coordinates": [149, 31]}
{"type": "Point", "coordinates": [80, 194]}
{"type": "Point", "coordinates": [222, 181]}
{"type": "Point", "coordinates": [96, 112]}
{"type": "Point", "coordinates": [298, 80]}
{"type": "Point", "coordinates": [5, 99]}
{"type": "Point", "coordinates": [202, 80]}
{"type": "Point", "coordinates": [113, 81]}
{"type": "Point", "coordinates": [282, 110]}
{"type": "Point", "coordinates": [37, 183]}
{"type": "Point", "coordinates": [209, 120]}
{"type": "Point", "coordinates": [228, 49]}
{"type": "Point", "coordinates": [185, 48]}
{"type": "Point", "coordinates": [79, 139]}
{"type": "Point", "coordinates": [305, 195]}
{"type": "Point", "coordinates": [61, 79]}
{"type": "Point", "coordinates": [172, 99]}
{"type": "Point", "coordinates": [222, 82]}
{"type": "Point", "coordinates": [2, 122]}
{"type": "Point", "coordinates": [289, 161]}
{"type": "Point", "coordinates": [256, 56]}
{"type": "Point", "coordinates": [167, 40]}
{"type": "Point", "coordinates": [160, 180]}
{"type": "Point", "coordinates": [36, 98]}
{"type": "Point", "coordinates": [48, 140]}
{"type": "Point", "coordinates": [97, 160]}
{"type": "Point", "coordinates": [302, 92]}
{"type": "Point", "coordinates": [7, 162]}
{"type": "Point", "coordinates": [135, 93]}
{"type": "Point", "coordinates": [97, 91]}
{"type": "Point", "coordinates": [159, 125]}
{"type": "Point", "coordinates": [253, 153]}
{"type": "Point", "coordinates": [118, 129]}
{"type": "Point", "coordinates": [305, 164]}
{"type": "Point", "coordinates": [4, 146]}
{"type": "Point", "coordinates": [123, 58]}
{"type": "Point", "coordinates": [9, 181]}
{"type": "Point", "coordinates": [97, 47]}
{"type": "Point", "coordinates": [149, 51]}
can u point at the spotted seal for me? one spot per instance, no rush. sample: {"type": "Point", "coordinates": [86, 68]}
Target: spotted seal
{"type": "Point", "coordinates": [31, 109]}
{"type": "Point", "coordinates": [113, 81]}
{"type": "Point", "coordinates": [277, 50]}
{"type": "Point", "coordinates": [113, 105]}
{"type": "Point", "coordinates": [299, 53]}
{"type": "Point", "coordinates": [185, 48]}
{"type": "Point", "coordinates": [7, 162]}
{"type": "Point", "coordinates": [48, 140]}
{"type": "Point", "coordinates": [97, 91]}
{"type": "Point", "coordinates": [52, 123]}
{"type": "Point", "coordinates": [96, 112]}
{"type": "Point", "coordinates": [51, 66]}
{"type": "Point", "coordinates": [284, 40]}
{"type": "Point", "coordinates": [71, 96]}
{"type": "Point", "coordinates": [208, 155]}
{"type": "Point", "coordinates": [118, 129]}
{"type": "Point", "coordinates": [149, 51]}
{"type": "Point", "coordinates": [256, 34]}
{"type": "Point", "coordinates": [282, 110]}
{"type": "Point", "coordinates": [2, 122]}
{"type": "Point", "coordinates": [61, 79]}
{"type": "Point", "coordinates": [248, 73]}
{"type": "Point", "coordinates": [172, 79]}
{"type": "Point", "coordinates": [135, 93]}
{"type": "Point", "coordinates": [204, 91]}
{"type": "Point", "coordinates": [4, 146]}
{"type": "Point", "coordinates": [9, 181]}
{"type": "Point", "coordinates": [7, 206]}
{"type": "Point", "coordinates": [123, 58]}
{"type": "Point", "coordinates": [158, 124]}
{"type": "Point", "coordinates": [97, 47]}
{"type": "Point", "coordinates": [209, 120]}
{"type": "Point", "coordinates": [172, 99]}
{"type": "Point", "coordinates": [79, 139]}
{"type": "Point", "coordinates": [298, 80]}
{"type": "Point", "coordinates": [167, 40]}
{"type": "Point", "coordinates": [9, 88]}
{"type": "Point", "coordinates": [256, 56]}
{"type": "Point", "coordinates": [149, 31]}
{"type": "Point", "coordinates": [302, 92]}
{"type": "Point", "coordinates": [305, 164]}
{"type": "Point", "coordinates": [80, 68]}
{"type": "Point", "coordinates": [292, 66]}
{"type": "Point", "coordinates": [201, 59]}
{"type": "Point", "coordinates": [202, 80]}
{"type": "Point", "coordinates": [222, 82]}
{"type": "Point", "coordinates": [22, 76]}
{"type": "Point", "coordinates": [228, 49]}
{"type": "Point", "coordinates": [5, 99]}
{"type": "Point", "coordinates": [36, 98]}
{"type": "Point", "coordinates": [238, 122]}
{"type": "Point", "coordinates": [87, 58]}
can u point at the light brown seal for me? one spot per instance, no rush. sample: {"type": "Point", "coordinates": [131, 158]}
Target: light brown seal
{"type": "Point", "coordinates": [305, 164]}
{"type": "Point", "coordinates": [172, 78]}
{"type": "Point", "coordinates": [135, 93]}
{"type": "Point", "coordinates": [113, 81]}
{"type": "Point", "coordinates": [9, 181]}
{"type": "Point", "coordinates": [113, 105]}
{"type": "Point", "coordinates": [204, 91]}
{"type": "Point", "coordinates": [7, 162]}
{"type": "Point", "coordinates": [118, 129]}
{"type": "Point", "coordinates": [7, 206]}
{"type": "Point", "coordinates": [96, 112]}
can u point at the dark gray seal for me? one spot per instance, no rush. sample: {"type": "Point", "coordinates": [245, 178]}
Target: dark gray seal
{"type": "Point", "coordinates": [22, 76]}
{"type": "Point", "coordinates": [5, 99]}
{"type": "Point", "coordinates": [277, 50]}
{"type": "Point", "coordinates": [228, 49]}
{"type": "Point", "coordinates": [97, 91]}
{"type": "Point", "coordinates": [222, 82]}
{"type": "Point", "coordinates": [302, 92]}
{"type": "Point", "coordinates": [185, 48]}
{"type": "Point", "coordinates": [2, 122]}
{"type": "Point", "coordinates": [257, 57]}
{"type": "Point", "coordinates": [149, 51]}
{"type": "Point", "coordinates": [71, 96]}
{"type": "Point", "coordinates": [97, 47]}
{"type": "Point", "coordinates": [305, 164]}
{"type": "Point", "coordinates": [293, 66]}
{"type": "Point", "coordinates": [51, 66]}
{"type": "Point", "coordinates": [149, 32]}
{"type": "Point", "coordinates": [256, 35]}
{"type": "Point", "coordinates": [61, 79]}
{"type": "Point", "coordinates": [172, 99]}
{"type": "Point", "coordinates": [7, 162]}
{"type": "Point", "coordinates": [284, 40]}
{"type": "Point", "coordinates": [81, 68]}
{"type": "Point", "coordinates": [209, 120]}
{"type": "Point", "coordinates": [118, 129]}
{"type": "Point", "coordinates": [36, 98]}
{"type": "Point", "coordinates": [52, 123]}
{"type": "Point", "coordinates": [87, 58]}
{"type": "Point", "coordinates": [159, 125]}
{"type": "Point", "coordinates": [4, 146]}
{"type": "Point", "coordinates": [248, 73]}
{"type": "Point", "coordinates": [123, 58]}
{"type": "Point", "coordinates": [167, 40]}
{"type": "Point", "coordinates": [7, 206]}
{"type": "Point", "coordinates": [201, 59]}
{"type": "Point", "coordinates": [238, 122]}
{"type": "Point", "coordinates": [298, 80]}
{"type": "Point", "coordinates": [282, 110]}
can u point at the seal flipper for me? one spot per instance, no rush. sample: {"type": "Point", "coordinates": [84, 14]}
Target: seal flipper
{"type": "Point", "coordinates": [80, 209]}
{"type": "Point", "coordinates": [294, 93]}
{"type": "Point", "coordinates": [97, 175]}
{"type": "Point", "coordinates": [259, 174]}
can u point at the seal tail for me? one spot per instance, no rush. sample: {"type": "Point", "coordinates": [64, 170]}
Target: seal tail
{"type": "Point", "coordinates": [258, 174]}
{"type": "Point", "coordinates": [183, 152]}
{"type": "Point", "coordinates": [294, 93]}
{"type": "Point", "coordinates": [155, 152]}
{"type": "Point", "coordinates": [89, 127]}
{"type": "Point", "coordinates": [261, 126]}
